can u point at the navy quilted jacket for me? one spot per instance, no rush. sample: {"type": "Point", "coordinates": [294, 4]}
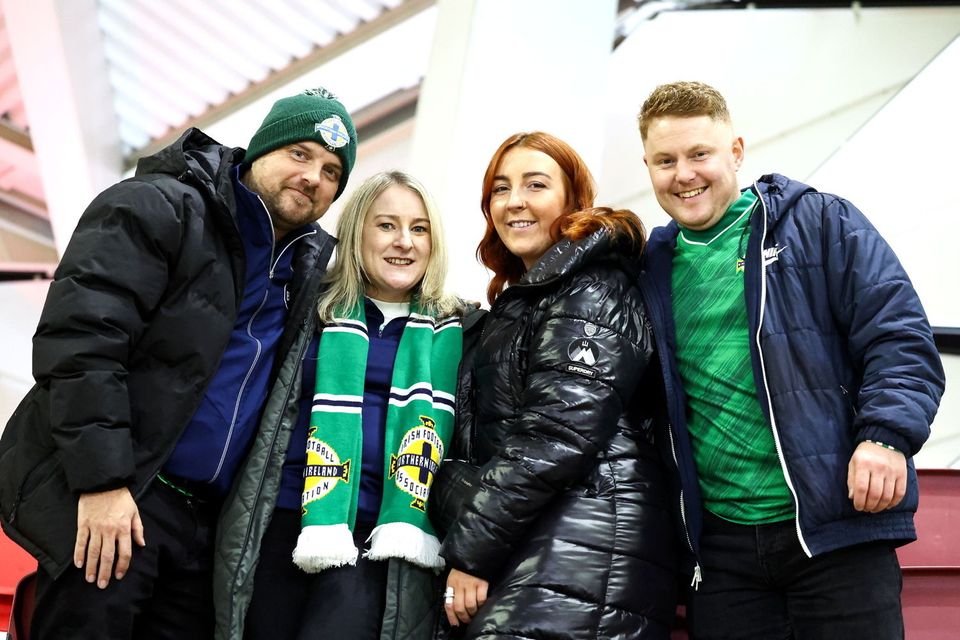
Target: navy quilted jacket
{"type": "Point", "coordinates": [842, 352]}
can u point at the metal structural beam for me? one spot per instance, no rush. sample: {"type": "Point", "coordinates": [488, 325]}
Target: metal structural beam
{"type": "Point", "coordinates": [58, 53]}
{"type": "Point", "coordinates": [320, 55]}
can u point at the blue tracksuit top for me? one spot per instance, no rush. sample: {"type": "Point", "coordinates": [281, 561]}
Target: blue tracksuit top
{"type": "Point", "coordinates": [216, 439]}
{"type": "Point", "coordinates": [376, 393]}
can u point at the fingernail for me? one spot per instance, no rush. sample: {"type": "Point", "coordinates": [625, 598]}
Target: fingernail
{"type": "Point", "coordinates": [102, 584]}
{"type": "Point", "coordinates": [90, 579]}
{"type": "Point", "coordinates": [119, 575]}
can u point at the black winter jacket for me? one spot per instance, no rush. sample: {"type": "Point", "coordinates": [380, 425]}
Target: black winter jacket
{"type": "Point", "coordinates": [571, 524]}
{"type": "Point", "coordinates": [135, 323]}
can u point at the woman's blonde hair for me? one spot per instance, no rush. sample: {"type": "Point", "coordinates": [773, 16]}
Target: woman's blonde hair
{"type": "Point", "coordinates": [348, 280]}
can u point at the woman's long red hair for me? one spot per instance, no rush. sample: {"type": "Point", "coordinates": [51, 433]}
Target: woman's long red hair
{"type": "Point", "coordinates": [581, 191]}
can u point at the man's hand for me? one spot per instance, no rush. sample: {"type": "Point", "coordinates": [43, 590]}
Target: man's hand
{"type": "Point", "coordinates": [106, 521]}
{"type": "Point", "coordinates": [876, 477]}
{"type": "Point", "coordinates": [469, 594]}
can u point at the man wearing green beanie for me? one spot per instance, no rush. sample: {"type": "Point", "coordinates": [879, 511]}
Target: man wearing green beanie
{"type": "Point", "coordinates": [185, 294]}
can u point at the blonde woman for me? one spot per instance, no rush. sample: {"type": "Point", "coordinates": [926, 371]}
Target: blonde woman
{"type": "Point", "coordinates": [327, 529]}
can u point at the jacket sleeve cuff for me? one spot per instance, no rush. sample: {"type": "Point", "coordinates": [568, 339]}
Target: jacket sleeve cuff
{"type": "Point", "coordinates": [887, 437]}
{"type": "Point", "coordinates": [99, 461]}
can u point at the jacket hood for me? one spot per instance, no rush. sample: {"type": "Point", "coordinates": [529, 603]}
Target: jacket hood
{"type": "Point", "coordinates": [198, 156]}
{"type": "Point", "coordinates": [471, 316]}
{"type": "Point", "coordinates": [780, 194]}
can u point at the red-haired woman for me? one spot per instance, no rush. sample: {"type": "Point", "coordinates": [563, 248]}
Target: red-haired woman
{"type": "Point", "coordinates": [570, 534]}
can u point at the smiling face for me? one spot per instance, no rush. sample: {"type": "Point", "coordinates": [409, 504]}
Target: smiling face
{"type": "Point", "coordinates": [297, 183]}
{"type": "Point", "coordinates": [529, 193]}
{"type": "Point", "coordinates": [396, 244]}
{"type": "Point", "coordinates": [693, 163]}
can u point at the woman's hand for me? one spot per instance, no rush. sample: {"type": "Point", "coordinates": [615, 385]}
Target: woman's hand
{"type": "Point", "coordinates": [469, 594]}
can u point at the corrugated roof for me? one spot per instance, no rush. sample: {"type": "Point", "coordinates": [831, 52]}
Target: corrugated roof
{"type": "Point", "coordinates": [176, 63]}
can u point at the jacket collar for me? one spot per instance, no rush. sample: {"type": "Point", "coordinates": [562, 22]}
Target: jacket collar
{"type": "Point", "coordinates": [197, 158]}
{"type": "Point", "coordinates": [566, 257]}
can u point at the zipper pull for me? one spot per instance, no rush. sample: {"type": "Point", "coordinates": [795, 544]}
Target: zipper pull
{"type": "Point", "coordinates": [697, 578]}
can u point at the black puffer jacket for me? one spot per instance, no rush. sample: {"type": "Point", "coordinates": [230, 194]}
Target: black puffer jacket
{"type": "Point", "coordinates": [137, 318]}
{"type": "Point", "coordinates": [571, 524]}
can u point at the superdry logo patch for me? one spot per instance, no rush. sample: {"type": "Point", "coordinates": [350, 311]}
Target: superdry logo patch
{"type": "Point", "coordinates": [583, 354]}
{"type": "Point", "coordinates": [580, 369]}
{"type": "Point", "coordinates": [583, 350]}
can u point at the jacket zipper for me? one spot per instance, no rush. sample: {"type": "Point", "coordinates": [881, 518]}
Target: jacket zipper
{"type": "Point", "coordinates": [274, 262]}
{"type": "Point", "coordinates": [697, 576]}
{"type": "Point", "coordinates": [274, 259]}
{"type": "Point", "coordinates": [46, 462]}
{"type": "Point", "coordinates": [243, 385]}
{"type": "Point", "coordinates": [763, 372]}
{"type": "Point", "coordinates": [653, 302]}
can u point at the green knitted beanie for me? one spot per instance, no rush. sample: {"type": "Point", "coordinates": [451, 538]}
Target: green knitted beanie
{"type": "Point", "coordinates": [315, 115]}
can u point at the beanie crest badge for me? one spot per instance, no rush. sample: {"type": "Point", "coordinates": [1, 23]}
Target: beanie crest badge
{"type": "Point", "coordinates": [333, 132]}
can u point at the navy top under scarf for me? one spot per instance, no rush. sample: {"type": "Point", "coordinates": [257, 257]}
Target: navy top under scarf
{"type": "Point", "coordinates": [376, 394]}
{"type": "Point", "coordinates": [217, 437]}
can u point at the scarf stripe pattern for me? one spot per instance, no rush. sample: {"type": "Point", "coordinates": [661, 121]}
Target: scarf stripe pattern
{"type": "Point", "coordinates": [419, 424]}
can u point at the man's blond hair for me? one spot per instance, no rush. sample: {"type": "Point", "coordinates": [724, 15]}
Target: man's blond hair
{"type": "Point", "coordinates": [682, 100]}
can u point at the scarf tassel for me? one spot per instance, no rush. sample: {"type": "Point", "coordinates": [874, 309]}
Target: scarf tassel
{"type": "Point", "coordinates": [322, 547]}
{"type": "Point", "coordinates": [406, 541]}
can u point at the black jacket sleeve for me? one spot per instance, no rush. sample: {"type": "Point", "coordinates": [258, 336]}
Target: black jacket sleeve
{"type": "Point", "coordinates": [112, 276]}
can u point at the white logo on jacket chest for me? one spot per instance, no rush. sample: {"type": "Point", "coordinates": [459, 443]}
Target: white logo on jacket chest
{"type": "Point", "coordinates": [772, 254]}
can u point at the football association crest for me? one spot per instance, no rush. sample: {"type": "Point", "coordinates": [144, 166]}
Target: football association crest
{"type": "Point", "coordinates": [416, 462]}
{"type": "Point", "coordinates": [323, 471]}
{"type": "Point", "coordinates": [333, 132]}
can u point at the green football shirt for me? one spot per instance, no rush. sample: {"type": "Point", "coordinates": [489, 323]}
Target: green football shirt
{"type": "Point", "coordinates": [737, 463]}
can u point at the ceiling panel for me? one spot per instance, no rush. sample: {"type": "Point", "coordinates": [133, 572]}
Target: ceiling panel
{"type": "Point", "coordinates": [167, 59]}
{"type": "Point", "coordinates": [170, 63]}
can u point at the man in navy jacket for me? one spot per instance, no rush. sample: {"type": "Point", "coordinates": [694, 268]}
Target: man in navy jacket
{"type": "Point", "coordinates": [801, 377]}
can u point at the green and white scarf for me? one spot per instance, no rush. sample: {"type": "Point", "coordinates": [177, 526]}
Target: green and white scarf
{"type": "Point", "coordinates": [419, 424]}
